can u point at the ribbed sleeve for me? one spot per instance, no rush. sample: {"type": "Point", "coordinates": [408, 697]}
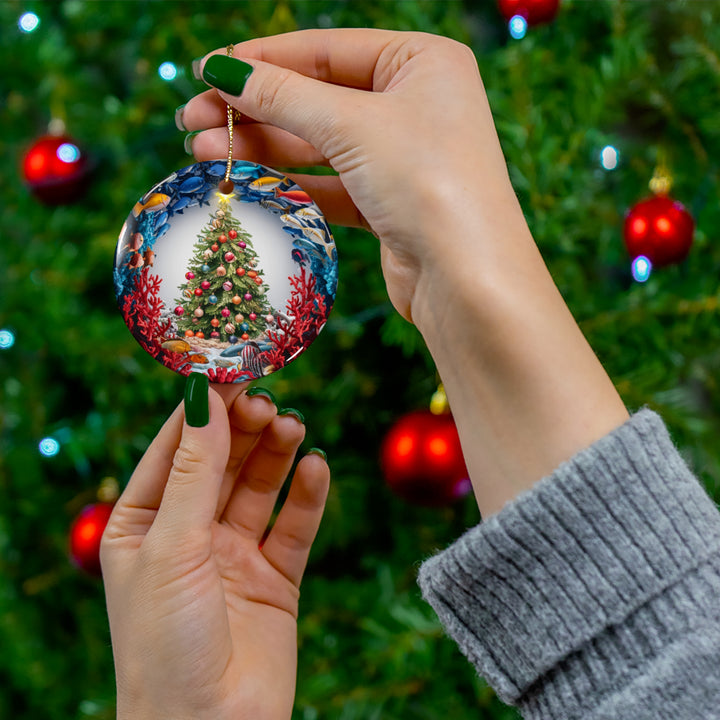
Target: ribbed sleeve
{"type": "Point", "coordinates": [596, 594]}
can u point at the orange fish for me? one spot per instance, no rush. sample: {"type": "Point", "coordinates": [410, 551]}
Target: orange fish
{"type": "Point", "coordinates": [297, 196]}
{"type": "Point", "coordinates": [156, 201]}
{"type": "Point", "coordinates": [178, 346]}
{"type": "Point", "coordinates": [149, 257]}
{"type": "Point", "coordinates": [199, 359]}
{"type": "Point", "coordinates": [136, 261]}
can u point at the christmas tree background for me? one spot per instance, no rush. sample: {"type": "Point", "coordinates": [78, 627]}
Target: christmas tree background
{"type": "Point", "coordinates": [640, 76]}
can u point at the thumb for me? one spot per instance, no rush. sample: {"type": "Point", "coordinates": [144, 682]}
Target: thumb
{"type": "Point", "coordinates": [278, 96]}
{"type": "Point", "coordinates": [193, 487]}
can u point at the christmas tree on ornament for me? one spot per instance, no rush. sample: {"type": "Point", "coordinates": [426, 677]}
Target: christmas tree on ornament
{"type": "Point", "coordinates": [224, 296]}
{"type": "Point", "coordinates": [659, 228]}
{"type": "Point", "coordinates": [421, 457]}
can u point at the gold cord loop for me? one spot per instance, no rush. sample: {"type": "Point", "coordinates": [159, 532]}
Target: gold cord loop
{"type": "Point", "coordinates": [226, 186]}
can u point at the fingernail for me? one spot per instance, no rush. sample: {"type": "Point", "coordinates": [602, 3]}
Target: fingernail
{"type": "Point", "coordinates": [226, 73]}
{"type": "Point", "coordinates": [197, 410]}
{"type": "Point", "coordinates": [262, 392]}
{"type": "Point", "coordinates": [187, 144]}
{"type": "Point", "coordinates": [196, 63]}
{"type": "Point", "coordinates": [318, 451]}
{"type": "Point", "coordinates": [179, 119]}
{"type": "Point", "coordinates": [294, 413]}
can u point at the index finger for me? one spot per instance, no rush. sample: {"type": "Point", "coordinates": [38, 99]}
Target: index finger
{"type": "Point", "coordinates": [341, 56]}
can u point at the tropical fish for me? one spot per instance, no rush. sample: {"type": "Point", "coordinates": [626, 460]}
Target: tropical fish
{"type": "Point", "coordinates": [155, 202]}
{"type": "Point", "coordinates": [197, 358]}
{"type": "Point", "coordinates": [161, 218]}
{"type": "Point", "coordinates": [180, 204]}
{"type": "Point", "coordinates": [293, 221]}
{"type": "Point", "coordinates": [224, 362]}
{"type": "Point", "coordinates": [191, 185]}
{"type": "Point", "coordinates": [266, 183]}
{"type": "Point", "coordinates": [298, 197]}
{"type": "Point", "coordinates": [314, 234]}
{"type": "Point", "coordinates": [250, 360]}
{"type": "Point", "coordinates": [136, 260]}
{"type": "Point", "coordinates": [298, 256]}
{"type": "Point", "coordinates": [273, 205]}
{"type": "Point", "coordinates": [178, 346]}
{"type": "Point", "coordinates": [136, 242]}
{"type": "Point", "coordinates": [308, 212]}
{"type": "Point", "coordinates": [149, 257]}
{"type": "Point", "coordinates": [162, 229]}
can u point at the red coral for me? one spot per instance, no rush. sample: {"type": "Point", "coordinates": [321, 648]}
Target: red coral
{"type": "Point", "coordinates": [142, 309]}
{"type": "Point", "coordinates": [223, 375]}
{"type": "Point", "coordinates": [308, 311]}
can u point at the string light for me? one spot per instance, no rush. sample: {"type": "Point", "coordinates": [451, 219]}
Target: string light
{"type": "Point", "coordinates": [28, 22]}
{"type": "Point", "coordinates": [49, 447]}
{"type": "Point", "coordinates": [518, 27]}
{"type": "Point", "coordinates": [168, 71]}
{"type": "Point", "coordinates": [641, 268]}
{"type": "Point", "coordinates": [7, 339]}
{"type": "Point", "coordinates": [609, 157]}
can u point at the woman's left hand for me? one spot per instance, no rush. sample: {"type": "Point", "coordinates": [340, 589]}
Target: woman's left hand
{"type": "Point", "coordinates": [202, 611]}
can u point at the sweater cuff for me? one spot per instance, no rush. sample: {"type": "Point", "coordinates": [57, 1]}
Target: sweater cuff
{"type": "Point", "coordinates": [605, 540]}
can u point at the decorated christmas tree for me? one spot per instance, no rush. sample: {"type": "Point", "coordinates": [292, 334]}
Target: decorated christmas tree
{"type": "Point", "coordinates": [224, 296]}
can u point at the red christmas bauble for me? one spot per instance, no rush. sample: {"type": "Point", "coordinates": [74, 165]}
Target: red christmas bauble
{"type": "Point", "coordinates": [56, 170]}
{"type": "Point", "coordinates": [240, 272]}
{"type": "Point", "coordinates": [85, 535]}
{"type": "Point", "coordinates": [659, 228]}
{"type": "Point", "coordinates": [422, 460]}
{"type": "Point", "coordinates": [214, 247]}
{"type": "Point", "coordinates": [232, 234]}
{"type": "Point", "coordinates": [229, 257]}
{"type": "Point", "coordinates": [534, 11]}
{"type": "Point", "coordinates": [222, 239]}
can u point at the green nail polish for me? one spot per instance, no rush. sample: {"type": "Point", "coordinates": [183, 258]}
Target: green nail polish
{"type": "Point", "coordinates": [197, 410]}
{"type": "Point", "coordinates": [226, 73]}
{"type": "Point", "coordinates": [262, 392]}
{"type": "Point", "coordinates": [295, 413]}
{"type": "Point", "coordinates": [179, 119]}
{"type": "Point", "coordinates": [187, 144]}
{"type": "Point", "coordinates": [318, 451]}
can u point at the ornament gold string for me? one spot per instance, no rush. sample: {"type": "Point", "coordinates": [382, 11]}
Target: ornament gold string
{"type": "Point", "coordinates": [226, 185]}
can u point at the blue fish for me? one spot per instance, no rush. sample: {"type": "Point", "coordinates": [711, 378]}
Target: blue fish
{"type": "Point", "coordinates": [160, 218]}
{"type": "Point", "coordinates": [162, 230]}
{"type": "Point", "coordinates": [191, 185]}
{"type": "Point", "coordinates": [180, 204]}
{"type": "Point", "coordinates": [299, 257]}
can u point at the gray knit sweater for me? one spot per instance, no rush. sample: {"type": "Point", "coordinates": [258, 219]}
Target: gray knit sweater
{"type": "Point", "coordinates": [596, 594]}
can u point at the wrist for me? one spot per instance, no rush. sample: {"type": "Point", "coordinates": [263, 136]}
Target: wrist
{"type": "Point", "coordinates": [526, 390]}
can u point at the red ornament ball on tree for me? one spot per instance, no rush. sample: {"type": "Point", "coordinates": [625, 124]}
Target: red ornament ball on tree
{"type": "Point", "coordinates": [85, 535]}
{"type": "Point", "coordinates": [56, 170]}
{"type": "Point", "coordinates": [422, 460]}
{"type": "Point", "coordinates": [659, 228]}
{"type": "Point", "coordinates": [232, 234]}
{"type": "Point", "coordinates": [534, 11]}
{"type": "Point", "coordinates": [222, 239]}
{"type": "Point", "coordinates": [240, 272]}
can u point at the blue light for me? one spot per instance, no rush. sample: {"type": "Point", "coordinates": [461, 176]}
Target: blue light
{"type": "Point", "coordinates": [167, 71]}
{"type": "Point", "coordinates": [49, 447]}
{"type": "Point", "coordinates": [609, 157]}
{"type": "Point", "coordinates": [68, 153]}
{"type": "Point", "coordinates": [28, 22]}
{"type": "Point", "coordinates": [518, 27]}
{"type": "Point", "coordinates": [641, 268]}
{"type": "Point", "coordinates": [7, 339]}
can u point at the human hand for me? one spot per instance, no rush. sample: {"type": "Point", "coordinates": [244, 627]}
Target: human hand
{"type": "Point", "coordinates": [203, 619]}
{"type": "Point", "coordinates": [404, 120]}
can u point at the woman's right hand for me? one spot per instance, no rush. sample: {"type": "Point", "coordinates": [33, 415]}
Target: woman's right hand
{"type": "Point", "coordinates": [404, 120]}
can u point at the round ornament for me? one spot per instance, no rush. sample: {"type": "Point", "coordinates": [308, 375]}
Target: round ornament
{"type": "Point", "coordinates": [659, 228]}
{"type": "Point", "coordinates": [535, 12]}
{"type": "Point", "coordinates": [422, 460]}
{"type": "Point", "coordinates": [56, 170]}
{"type": "Point", "coordinates": [85, 535]}
{"type": "Point", "coordinates": [264, 221]}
